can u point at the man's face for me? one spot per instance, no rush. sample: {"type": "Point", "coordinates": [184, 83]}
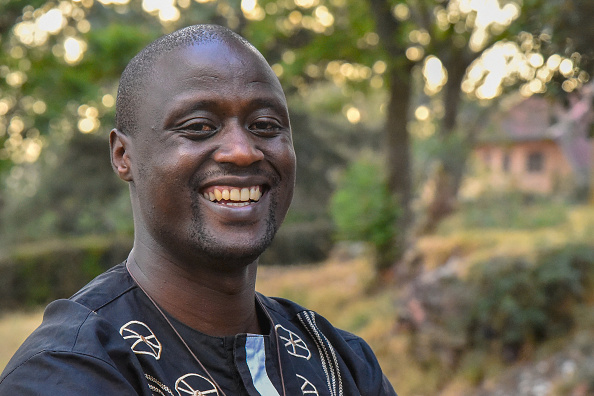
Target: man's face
{"type": "Point", "coordinates": [214, 162]}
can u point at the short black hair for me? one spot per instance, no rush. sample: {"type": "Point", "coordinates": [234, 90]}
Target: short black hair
{"type": "Point", "coordinates": [130, 90]}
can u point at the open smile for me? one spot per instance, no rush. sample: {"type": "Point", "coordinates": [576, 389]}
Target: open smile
{"type": "Point", "coordinates": [234, 196]}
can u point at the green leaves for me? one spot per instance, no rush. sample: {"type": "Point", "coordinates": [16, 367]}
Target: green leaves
{"type": "Point", "coordinates": [521, 301]}
{"type": "Point", "coordinates": [362, 207]}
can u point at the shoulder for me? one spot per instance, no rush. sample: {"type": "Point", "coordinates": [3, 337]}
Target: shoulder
{"type": "Point", "coordinates": [353, 351]}
{"type": "Point", "coordinates": [68, 324]}
{"type": "Point", "coordinates": [105, 288]}
{"type": "Point", "coordinates": [73, 342]}
{"type": "Point", "coordinates": [73, 348]}
{"type": "Point", "coordinates": [79, 323]}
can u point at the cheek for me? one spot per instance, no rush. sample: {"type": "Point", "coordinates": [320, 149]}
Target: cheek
{"type": "Point", "coordinates": [290, 164]}
{"type": "Point", "coordinates": [164, 183]}
{"type": "Point", "coordinates": [284, 157]}
{"type": "Point", "coordinates": [168, 163]}
{"type": "Point", "coordinates": [286, 165]}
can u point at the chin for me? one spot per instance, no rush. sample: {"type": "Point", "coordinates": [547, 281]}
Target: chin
{"type": "Point", "coordinates": [235, 252]}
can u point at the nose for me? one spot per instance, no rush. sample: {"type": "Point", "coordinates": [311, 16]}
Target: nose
{"type": "Point", "coordinates": [237, 147]}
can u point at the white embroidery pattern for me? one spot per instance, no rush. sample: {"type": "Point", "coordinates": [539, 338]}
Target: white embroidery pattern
{"type": "Point", "coordinates": [160, 387]}
{"type": "Point", "coordinates": [307, 388]}
{"type": "Point", "coordinates": [327, 354]}
{"type": "Point", "coordinates": [154, 390]}
{"type": "Point", "coordinates": [294, 344]}
{"type": "Point", "coordinates": [146, 343]}
{"type": "Point", "coordinates": [195, 385]}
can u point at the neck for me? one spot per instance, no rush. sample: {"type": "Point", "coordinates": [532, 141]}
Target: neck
{"type": "Point", "coordinates": [216, 303]}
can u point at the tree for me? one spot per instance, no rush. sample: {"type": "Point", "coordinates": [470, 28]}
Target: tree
{"type": "Point", "coordinates": [60, 63]}
{"type": "Point", "coordinates": [442, 40]}
{"type": "Point", "coordinates": [465, 51]}
{"type": "Point", "coordinates": [434, 53]}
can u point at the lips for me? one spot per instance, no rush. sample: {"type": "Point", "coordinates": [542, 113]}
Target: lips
{"type": "Point", "coordinates": [233, 196]}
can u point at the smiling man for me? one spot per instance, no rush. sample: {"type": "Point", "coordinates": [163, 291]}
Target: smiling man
{"type": "Point", "coordinates": [204, 141]}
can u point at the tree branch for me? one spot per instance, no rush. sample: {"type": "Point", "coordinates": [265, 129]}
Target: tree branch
{"type": "Point", "coordinates": [386, 26]}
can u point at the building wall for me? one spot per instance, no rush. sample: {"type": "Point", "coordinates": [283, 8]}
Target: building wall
{"type": "Point", "coordinates": [532, 166]}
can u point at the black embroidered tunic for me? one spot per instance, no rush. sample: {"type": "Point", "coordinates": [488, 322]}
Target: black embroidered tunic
{"type": "Point", "coordinates": [109, 339]}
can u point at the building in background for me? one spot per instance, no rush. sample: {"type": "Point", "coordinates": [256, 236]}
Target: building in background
{"type": "Point", "coordinates": [536, 146]}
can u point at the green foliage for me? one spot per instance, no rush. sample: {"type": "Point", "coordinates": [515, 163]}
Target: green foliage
{"type": "Point", "coordinates": [512, 210]}
{"type": "Point", "coordinates": [77, 195]}
{"type": "Point", "coordinates": [511, 305]}
{"type": "Point", "coordinates": [504, 307]}
{"type": "Point", "coordinates": [362, 207]}
{"type": "Point", "coordinates": [521, 301]}
{"type": "Point", "coordinates": [356, 38]}
{"type": "Point", "coordinates": [563, 21]}
{"type": "Point", "coordinates": [341, 41]}
{"type": "Point", "coordinates": [37, 273]}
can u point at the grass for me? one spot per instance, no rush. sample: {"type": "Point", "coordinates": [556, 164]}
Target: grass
{"type": "Point", "coordinates": [14, 329]}
{"type": "Point", "coordinates": [474, 243]}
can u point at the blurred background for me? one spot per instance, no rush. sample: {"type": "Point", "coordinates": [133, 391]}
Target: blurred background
{"type": "Point", "coordinates": [444, 207]}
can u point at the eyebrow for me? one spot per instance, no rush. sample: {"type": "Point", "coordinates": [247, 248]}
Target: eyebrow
{"type": "Point", "coordinates": [187, 106]}
{"type": "Point", "coordinates": [182, 109]}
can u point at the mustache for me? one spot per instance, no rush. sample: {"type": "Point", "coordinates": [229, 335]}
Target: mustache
{"type": "Point", "coordinates": [233, 170]}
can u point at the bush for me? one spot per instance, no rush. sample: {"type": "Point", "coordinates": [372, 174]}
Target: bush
{"type": "Point", "coordinates": [506, 305]}
{"type": "Point", "coordinates": [362, 207]}
{"type": "Point", "coordinates": [513, 210]}
{"type": "Point", "coordinates": [510, 306]}
{"type": "Point", "coordinates": [72, 196]}
{"type": "Point", "coordinates": [521, 301]}
{"type": "Point", "coordinates": [37, 273]}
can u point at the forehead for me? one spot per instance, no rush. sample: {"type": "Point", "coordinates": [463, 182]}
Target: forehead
{"type": "Point", "coordinates": [217, 69]}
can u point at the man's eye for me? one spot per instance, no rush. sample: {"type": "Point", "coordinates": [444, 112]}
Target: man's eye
{"type": "Point", "coordinates": [199, 127]}
{"type": "Point", "coordinates": [265, 126]}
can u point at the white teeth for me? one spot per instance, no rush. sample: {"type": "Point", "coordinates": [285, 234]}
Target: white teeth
{"type": "Point", "coordinates": [255, 193]}
{"type": "Point", "coordinates": [245, 194]}
{"type": "Point", "coordinates": [252, 192]}
{"type": "Point", "coordinates": [241, 196]}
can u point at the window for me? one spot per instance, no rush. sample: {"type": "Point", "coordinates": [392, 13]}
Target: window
{"type": "Point", "coordinates": [505, 162]}
{"type": "Point", "coordinates": [535, 162]}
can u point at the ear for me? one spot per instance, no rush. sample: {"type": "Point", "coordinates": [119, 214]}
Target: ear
{"type": "Point", "coordinates": [119, 145]}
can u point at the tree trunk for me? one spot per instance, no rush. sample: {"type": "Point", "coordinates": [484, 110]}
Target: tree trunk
{"type": "Point", "coordinates": [450, 165]}
{"type": "Point", "coordinates": [398, 141]}
{"type": "Point", "coordinates": [395, 132]}
{"type": "Point", "coordinates": [398, 165]}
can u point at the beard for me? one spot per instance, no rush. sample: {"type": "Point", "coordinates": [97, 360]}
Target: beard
{"type": "Point", "coordinates": [228, 252]}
